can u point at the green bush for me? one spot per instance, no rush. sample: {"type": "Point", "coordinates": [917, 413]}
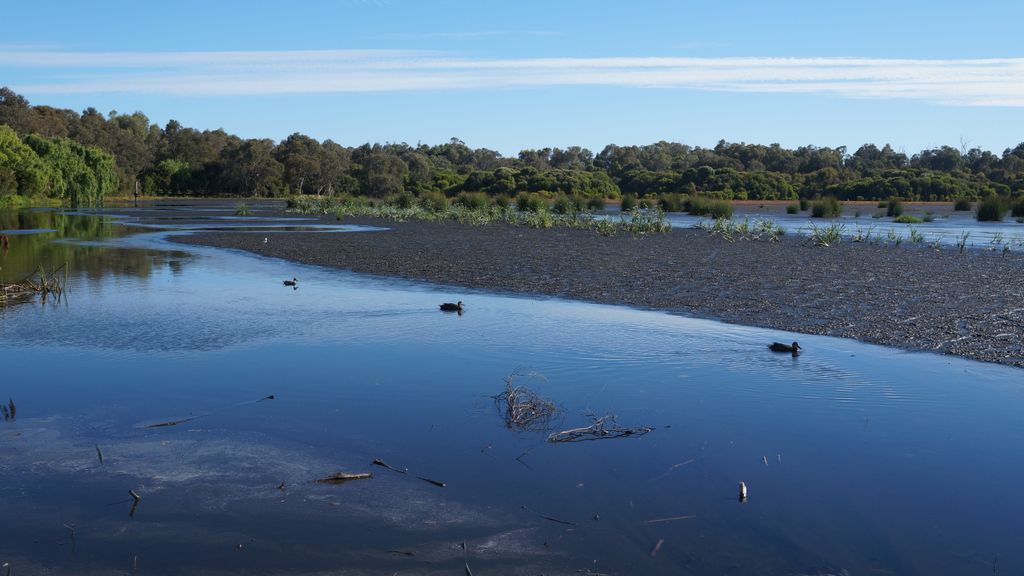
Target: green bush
{"type": "Point", "coordinates": [894, 208]}
{"type": "Point", "coordinates": [804, 204]}
{"type": "Point", "coordinates": [792, 208]}
{"type": "Point", "coordinates": [433, 201]}
{"type": "Point", "coordinates": [473, 200]}
{"type": "Point", "coordinates": [1017, 209]}
{"type": "Point", "coordinates": [991, 209]}
{"type": "Point", "coordinates": [672, 202]}
{"type": "Point", "coordinates": [502, 201]}
{"type": "Point", "coordinates": [530, 202]}
{"type": "Point", "coordinates": [401, 200]}
{"type": "Point", "coordinates": [564, 205]}
{"type": "Point", "coordinates": [701, 206]}
{"type": "Point", "coordinates": [827, 207]}
{"type": "Point", "coordinates": [628, 202]}
{"type": "Point", "coordinates": [907, 219]}
{"type": "Point", "coordinates": [962, 205]}
{"type": "Point", "coordinates": [596, 203]}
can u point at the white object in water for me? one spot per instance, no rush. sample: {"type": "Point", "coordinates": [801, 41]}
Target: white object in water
{"type": "Point", "coordinates": [264, 240]}
{"type": "Point", "coordinates": [743, 492]}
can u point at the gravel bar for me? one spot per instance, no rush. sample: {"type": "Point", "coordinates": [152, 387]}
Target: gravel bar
{"type": "Point", "coordinates": [910, 296]}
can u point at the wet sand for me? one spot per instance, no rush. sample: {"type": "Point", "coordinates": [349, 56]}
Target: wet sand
{"type": "Point", "coordinates": [912, 297]}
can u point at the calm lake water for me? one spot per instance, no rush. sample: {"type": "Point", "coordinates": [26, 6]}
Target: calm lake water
{"type": "Point", "coordinates": [858, 459]}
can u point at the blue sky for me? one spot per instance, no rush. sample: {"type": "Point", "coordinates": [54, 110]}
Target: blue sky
{"type": "Point", "coordinates": [529, 74]}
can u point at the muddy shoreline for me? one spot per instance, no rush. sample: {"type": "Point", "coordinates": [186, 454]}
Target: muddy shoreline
{"type": "Point", "coordinates": [910, 296]}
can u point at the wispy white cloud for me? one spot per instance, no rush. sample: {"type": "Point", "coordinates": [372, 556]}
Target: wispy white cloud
{"type": "Point", "coordinates": [967, 82]}
{"type": "Point", "coordinates": [474, 34]}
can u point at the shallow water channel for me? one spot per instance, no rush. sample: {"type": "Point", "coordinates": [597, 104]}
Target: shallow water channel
{"type": "Point", "coordinates": [858, 459]}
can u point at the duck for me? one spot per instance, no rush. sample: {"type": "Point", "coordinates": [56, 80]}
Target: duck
{"type": "Point", "coordinates": [780, 347]}
{"type": "Point", "coordinates": [449, 307]}
{"type": "Point", "coordinates": [292, 282]}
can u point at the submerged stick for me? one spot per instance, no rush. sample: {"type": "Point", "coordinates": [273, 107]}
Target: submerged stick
{"type": "Point", "coordinates": [654, 551]}
{"type": "Point", "coordinates": [98, 453]}
{"type": "Point", "coordinates": [173, 422]}
{"type": "Point", "coordinates": [341, 477]}
{"type": "Point", "coordinates": [379, 462]}
{"type": "Point", "coordinates": [551, 518]}
{"type": "Point", "coordinates": [135, 503]}
{"type": "Point", "coordinates": [669, 519]}
{"type": "Point", "coordinates": [465, 558]}
{"type": "Point", "coordinates": [434, 482]}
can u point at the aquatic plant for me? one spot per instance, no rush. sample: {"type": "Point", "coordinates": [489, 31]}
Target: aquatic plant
{"type": "Point", "coordinates": [746, 229]}
{"type": "Point", "coordinates": [826, 235]}
{"type": "Point", "coordinates": [961, 241]}
{"type": "Point", "coordinates": [962, 205]}
{"type": "Point", "coordinates": [792, 208]}
{"type": "Point", "coordinates": [894, 208]}
{"type": "Point", "coordinates": [908, 219]}
{"type": "Point", "coordinates": [628, 202]}
{"type": "Point", "coordinates": [473, 200]}
{"type": "Point", "coordinates": [701, 206]}
{"type": "Point", "coordinates": [915, 236]}
{"type": "Point", "coordinates": [530, 202]}
{"type": "Point", "coordinates": [827, 207]}
{"type": "Point", "coordinates": [804, 204]}
{"type": "Point", "coordinates": [242, 209]}
{"type": "Point", "coordinates": [991, 209]}
{"type": "Point", "coordinates": [596, 203]}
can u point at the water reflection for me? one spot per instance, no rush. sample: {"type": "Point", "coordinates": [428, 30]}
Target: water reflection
{"type": "Point", "coordinates": [857, 458]}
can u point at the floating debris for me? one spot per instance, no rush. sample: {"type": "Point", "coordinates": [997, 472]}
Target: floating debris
{"type": "Point", "coordinates": [603, 428]}
{"type": "Point", "coordinates": [173, 422]}
{"type": "Point", "coordinates": [379, 462]}
{"type": "Point", "coordinates": [657, 547]}
{"type": "Point", "coordinates": [342, 477]}
{"type": "Point", "coordinates": [669, 519]}
{"type": "Point", "coordinates": [99, 453]}
{"type": "Point", "coordinates": [743, 492]}
{"type": "Point", "coordinates": [551, 518]}
{"type": "Point", "coordinates": [524, 409]}
{"type": "Point", "coordinates": [135, 503]}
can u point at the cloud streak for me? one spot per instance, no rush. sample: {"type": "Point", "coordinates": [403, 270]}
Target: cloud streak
{"type": "Point", "coordinates": [966, 82]}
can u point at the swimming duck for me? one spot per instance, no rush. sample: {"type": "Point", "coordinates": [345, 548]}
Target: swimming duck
{"type": "Point", "coordinates": [449, 307]}
{"type": "Point", "coordinates": [292, 282]}
{"type": "Point", "coordinates": [780, 347]}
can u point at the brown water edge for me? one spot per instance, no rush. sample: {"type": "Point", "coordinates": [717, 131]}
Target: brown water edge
{"type": "Point", "coordinates": [912, 297]}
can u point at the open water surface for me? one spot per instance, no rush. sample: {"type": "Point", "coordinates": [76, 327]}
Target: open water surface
{"type": "Point", "coordinates": [858, 459]}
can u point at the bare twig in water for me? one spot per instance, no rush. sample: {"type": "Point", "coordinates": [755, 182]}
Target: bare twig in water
{"type": "Point", "coordinates": [135, 503]}
{"type": "Point", "coordinates": [173, 422]}
{"type": "Point", "coordinates": [654, 551]}
{"type": "Point", "coordinates": [402, 552]}
{"type": "Point", "coordinates": [550, 518]}
{"type": "Point", "coordinates": [524, 409]}
{"type": "Point", "coordinates": [379, 462]}
{"type": "Point", "coordinates": [99, 453]}
{"type": "Point", "coordinates": [465, 558]}
{"type": "Point", "coordinates": [603, 428]}
{"type": "Point", "coordinates": [434, 482]}
{"type": "Point", "coordinates": [342, 477]}
{"type": "Point", "coordinates": [669, 519]}
{"type": "Point", "coordinates": [13, 409]}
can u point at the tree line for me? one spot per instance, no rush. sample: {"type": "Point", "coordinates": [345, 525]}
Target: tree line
{"type": "Point", "coordinates": [82, 157]}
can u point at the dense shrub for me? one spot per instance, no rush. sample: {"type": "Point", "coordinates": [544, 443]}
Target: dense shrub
{"type": "Point", "coordinates": [700, 206]}
{"type": "Point", "coordinates": [530, 202]}
{"type": "Point", "coordinates": [827, 207]}
{"type": "Point", "coordinates": [628, 202]}
{"type": "Point", "coordinates": [894, 208]}
{"type": "Point", "coordinates": [596, 203]}
{"type": "Point", "coordinates": [804, 204]}
{"type": "Point", "coordinates": [433, 201]}
{"type": "Point", "coordinates": [672, 202]}
{"type": "Point", "coordinates": [473, 200]}
{"type": "Point", "coordinates": [962, 205]}
{"type": "Point", "coordinates": [991, 209]}
{"type": "Point", "coordinates": [792, 208]}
